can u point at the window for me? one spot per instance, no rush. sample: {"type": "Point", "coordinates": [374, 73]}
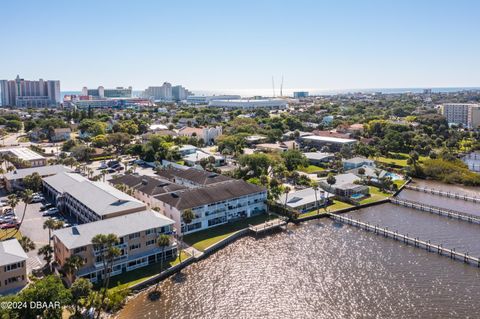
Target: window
{"type": "Point", "coordinates": [13, 266]}
{"type": "Point", "coordinates": [135, 235]}
{"type": "Point", "coordinates": [79, 249]}
{"type": "Point", "coordinates": [150, 231]}
{"type": "Point", "coordinates": [150, 242]}
{"type": "Point", "coordinates": [134, 246]}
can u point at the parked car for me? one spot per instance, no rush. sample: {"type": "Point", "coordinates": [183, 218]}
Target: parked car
{"type": "Point", "coordinates": [37, 199]}
{"type": "Point", "coordinates": [113, 163]}
{"type": "Point", "coordinates": [103, 165]}
{"type": "Point", "coordinates": [119, 168]}
{"type": "Point", "coordinates": [7, 219]}
{"type": "Point", "coordinates": [9, 225]}
{"type": "Point", "coordinates": [46, 206]}
{"type": "Point", "coordinates": [51, 211]}
{"type": "Point", "coordinates": [111, 170]}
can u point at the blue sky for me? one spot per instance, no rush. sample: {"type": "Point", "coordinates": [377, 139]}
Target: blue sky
{"type": "Point", "coordinates": [241, 44]}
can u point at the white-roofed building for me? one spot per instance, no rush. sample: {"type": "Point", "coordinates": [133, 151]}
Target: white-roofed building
{"type": "Point", "coordinates": [13, 268]}
{"type": "Point", "coordinates": [23, 157]}
{"type": "Point", "coordinates": [14, 179]}
{"type": "Point", "coordinates": [305, 200]}
{"type": "Point", "coordinates": [86, 200]}
{"type": "Point", "coordinates": [334, 143]}
{"type": "Point", "coordinates": [316, 158]}
{"type": "Point", "coordinates": [137, 234]}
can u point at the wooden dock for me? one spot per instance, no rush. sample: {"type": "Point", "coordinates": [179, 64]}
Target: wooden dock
{"type": "Point", "coordinates": [267, 226]}
{"type": "Point", "coordinates": [437, 210]}
{"type": "Point", "coordinates": [444, 194]}
{"type": "Point", "coordinates": [416, 242]}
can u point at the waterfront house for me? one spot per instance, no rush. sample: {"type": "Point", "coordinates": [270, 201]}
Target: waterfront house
{"type": "Point", "coordinates": [357, 162]}
{"type": "Point", "coordinates": [305, 200]}
{"type": "Point", "coordinates": [137, 233]}
{"type": "Point", "coordinates": [345, 186]}
{"type": "Point", "coordinates": [13, 269]}
{"type": "Point", "coordinates": [318, 158]}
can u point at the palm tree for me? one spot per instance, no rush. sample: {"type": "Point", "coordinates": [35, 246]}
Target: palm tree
{"type": "Point", "coordinates": [72, 265]}
{"type": "Point", "coordinates": [52, 224]}
{"type": "Point", "coordinates": [27, 199]}
{"type": "Point", "coordinates": [106, 244]}
{"type": "Point", "coordinates": [103, 173]}
{"type": "Point", "coordinates": [315, 189]}
{"type": "Point", "coordinates": [286, 190]}
{"type": "Point", "coordinates": [47, 253]}
{"type": "Point", "coordinates": [26, 243]}
{"type": "Point", "coordinates": [162, 242]}
{"type": "Point", "coordinates": [187, 216]}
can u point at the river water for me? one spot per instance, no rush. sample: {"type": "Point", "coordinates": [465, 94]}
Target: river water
{"type": "Point", "coordinates": [323, 269]}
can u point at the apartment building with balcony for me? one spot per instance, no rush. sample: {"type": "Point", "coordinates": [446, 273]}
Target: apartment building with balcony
{"type": "Point", "coordinates": [86, 200]}
{"type": "Point", "coordinates": [13, 269]}
{"type": "Point", "coordinates": [465, 114]}
{"type": "Point", "coordinates": [213, 205]}
{"type": "Point", "coordinates": [137, 233]}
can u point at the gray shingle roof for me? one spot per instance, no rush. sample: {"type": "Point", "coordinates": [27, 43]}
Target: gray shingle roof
{"type": "Point", "coordinates": [194, 175]}
{"type": "Point", "coordinates": [217, 192]}
{"type": "Point", "coordinates": [147, 184]}
{"type": "Point", "coordinates": [81, 235]}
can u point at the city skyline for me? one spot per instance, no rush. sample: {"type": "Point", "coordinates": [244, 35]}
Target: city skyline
{"type": "Point", "coordinates": [320, 46]}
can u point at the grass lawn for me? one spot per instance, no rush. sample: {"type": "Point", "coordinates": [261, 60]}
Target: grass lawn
{"type": "Point", "coordinates": [312, 213]}
{"type": "Point", "coordinates": [6, 233]}
{"type": "Point", "coordinates": [128, 279]}
{"type": "Point", "coordinates": [311, 169]}
{"type": "Point", "coordinates": [205, 238]}
{"type": "Point", "coordinates": [375, 195]}
{"type": "Point", "coordinates": [337, 205]}
{"type": "Point", "coordinates": [399, 182]}
{"type": "Point", "coordinates": [399, 162]}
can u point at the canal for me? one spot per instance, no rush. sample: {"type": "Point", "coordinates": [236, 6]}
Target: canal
{"type": "Point", "coordinates": [323, 269]}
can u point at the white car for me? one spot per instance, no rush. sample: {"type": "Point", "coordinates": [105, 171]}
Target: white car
{"type": "Point", "coordinates": [51, 211]}
{"type": "Point", "coordinates": [37, 199]}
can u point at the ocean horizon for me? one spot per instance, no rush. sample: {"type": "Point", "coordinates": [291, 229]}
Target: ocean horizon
{"type": "Point", "coordinates": [312, 92]}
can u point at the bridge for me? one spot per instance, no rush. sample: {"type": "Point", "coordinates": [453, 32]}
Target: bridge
{"type": "Point", "coordinates": [437, 210]}
{"type": "Point", "coordinates": [443, 193]}
{"type": "Point", "coordinates": [415, 241]}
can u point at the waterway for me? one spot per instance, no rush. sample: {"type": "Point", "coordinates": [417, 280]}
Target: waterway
{"type": "Point", "coordinates": [323, 269]}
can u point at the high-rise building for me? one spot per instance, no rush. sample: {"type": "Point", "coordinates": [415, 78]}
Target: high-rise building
{"type": "Point", "coordinates": [163, 92]}
{"type": "Point", "coordinates": [25, 93]}
{"type": "Point", "coordinates": [179, 93]}
{"type": "Point", "coordinates": [467, 115]}
{"type": "Point", "coordinates": [300, 95]}
{"type": "Point", "coordinates": [102, 93]}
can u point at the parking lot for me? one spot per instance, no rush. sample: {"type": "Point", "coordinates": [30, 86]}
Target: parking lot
{"type": "Point", "coordinates": [32, 227]}
{"type": "Point", "coordinates": [141, 170]}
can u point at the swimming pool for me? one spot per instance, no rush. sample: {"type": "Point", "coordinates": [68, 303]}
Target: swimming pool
{"type": "Point", "coordinates": [393, 176]}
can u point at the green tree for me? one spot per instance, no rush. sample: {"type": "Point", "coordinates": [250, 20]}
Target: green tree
{"type": "Point", "coordinates": [293, 159]}
{"type": "Point", "coordinates": [163, 241]}
{"type": "Point", "coordinates": [80, 290]}
{"type": "Point", "coordinates": [47, 253]}
{"type": "Point", "coordinates": [72, 265]}
{"type": "Point", "coordinates": [106, 245]}
{"type": "Point", "coordinates": [52, 224]}
{"type": "Point", "coordinates": [26, 243]}
{"type": "Point", "coordinates": [33, 182]}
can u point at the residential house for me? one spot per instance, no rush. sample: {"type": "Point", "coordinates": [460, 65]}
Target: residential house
{"type": "Point", "coordinates": [345, 186]}
{"type": "Point", "coordinates": [305, 200]}
{"type": "Point", "coordinates": [60, 134]}
{"type": "Point", "coordinates": [319, 158]}
{"type": "Point", "coordinates": [357, 162]}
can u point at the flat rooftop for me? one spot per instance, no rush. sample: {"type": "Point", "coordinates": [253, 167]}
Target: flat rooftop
{"type": "Point", "coordinates": [23, 153]}
{"type": "Point", "coordinates": [329, 139]}
{"type": "Point", "coordinates": [42, 171]}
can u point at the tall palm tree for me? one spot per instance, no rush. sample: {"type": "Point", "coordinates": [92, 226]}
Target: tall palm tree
{"type": "Point", "coordinates": [52, 224]}
{"type": "Point", "coordinates": [106, 244]}
{"type": "Point", "coordinates": [162, 242]}
{"type": "Point", "coordinates": [26, 243]}
{"type": "Point", "coordinates": [187, 216]}
{"type": "Point", "coordinates": [286, 190]}
{"type": "Point", "coordinates": [27, 199]}
{"type": "Point", "coordinates": [47, 253]}
{"type": "Point", "coordinates": [315, 189]}
{"type": "Point", "coordinates": [72, 265]}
